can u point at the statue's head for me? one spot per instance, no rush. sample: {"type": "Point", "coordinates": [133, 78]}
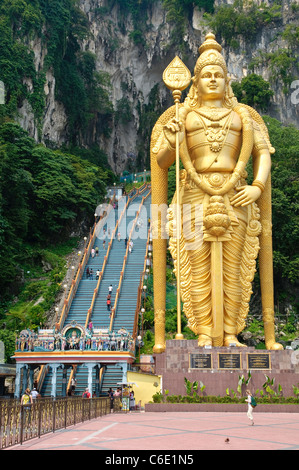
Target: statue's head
{"type": "Point", "coordinates": [210, 63]}
{"type": "Point", "coordinates": [210, 55]}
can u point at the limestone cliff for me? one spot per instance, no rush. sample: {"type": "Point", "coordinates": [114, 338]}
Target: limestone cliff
{"type": "Point", "coordinates": [135, 70]}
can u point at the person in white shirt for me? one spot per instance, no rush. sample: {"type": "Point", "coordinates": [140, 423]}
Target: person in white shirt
{"type": "Point", "coordinates": [249, 411]}
{"type": "Point", "coordinates": [34, 394]}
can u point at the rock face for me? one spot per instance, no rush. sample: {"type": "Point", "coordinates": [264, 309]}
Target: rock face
{"type": "Point", "coordinates": [135, 70]}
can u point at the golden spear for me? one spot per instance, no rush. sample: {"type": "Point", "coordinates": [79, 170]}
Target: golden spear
{"type": "Point", "coordinates": [177, 77]}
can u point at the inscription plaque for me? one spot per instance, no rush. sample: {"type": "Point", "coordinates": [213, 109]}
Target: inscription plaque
{"type": "Point", "coordinates": [258, 361]}
{"type": "Point", "coordinates": [200, 361]}
{"type": "Point", "coordinates": [229, 361]}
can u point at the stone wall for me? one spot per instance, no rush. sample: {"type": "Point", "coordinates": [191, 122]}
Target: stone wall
{"type": "Point", "coordinates": [174, 366]}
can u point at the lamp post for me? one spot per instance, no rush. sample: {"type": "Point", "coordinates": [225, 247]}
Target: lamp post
{"type": "Point", "coordinates": [139, 342]}
{"type": "Point", "coordinates": [56, 314]}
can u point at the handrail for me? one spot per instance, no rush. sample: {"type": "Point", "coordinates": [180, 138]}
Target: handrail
{"type": "Point", "coordinates": [140, 288]}
{"type": "Point", "coordinates": [80, 270]}
{"type": "Point", "coordinates": [96, 290]}
{"type": "Point", "coordinates": [41, 377]}
{"type": "Point", "coordinates": [72, 374]}
{"type": "Point", "coordinates": [125, 262]}
{"type": "Point", "coordinates": [123, 267]}
{"type": "Point", "coordinates": [48, 415]}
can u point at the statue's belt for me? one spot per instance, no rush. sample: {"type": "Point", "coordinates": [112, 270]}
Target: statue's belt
{"type": "Point", "coordinates": [191, 194]}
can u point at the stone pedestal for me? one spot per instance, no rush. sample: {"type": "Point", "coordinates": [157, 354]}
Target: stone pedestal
{"type": "Point", "coordinates": [221, 370]}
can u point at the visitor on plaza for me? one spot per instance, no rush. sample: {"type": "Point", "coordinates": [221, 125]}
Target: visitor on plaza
{"type": "Point", "coordinates": [132, 400]}
{"type": "Point", "coordinates": [117, 393]}
{"type": "Point", "coordinates": [249, 400]}
{"type": "Point", "coordinates": [27, 398]}
{"type": "Point", "coordinates": [73, 385]}
{"type": "Point", "coordinates": [111, 396]}
{"type": "Point", "coordinates": [34, 394]}
{"type": "Point", "coordinates": [86, 394]}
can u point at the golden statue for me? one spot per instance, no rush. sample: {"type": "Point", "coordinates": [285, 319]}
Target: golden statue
{"type": "Point", "coordinates": [222, 222]}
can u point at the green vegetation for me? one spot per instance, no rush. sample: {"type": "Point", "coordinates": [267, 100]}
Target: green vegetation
{"type": "Point", "coordinates": [268, 394]}
{"type": "Point", "coordinates": [283, 62]}
{"type": "Point", "coordinates": [179, 13]}
{"type": "Point", "coordinates": [60, 26]}
{"type": "Point", "coordinates": [44, 193]}
{"type": "Point", "coordinates": [243, 18]}
{"type": "Point", "coordinates": [254, 91]}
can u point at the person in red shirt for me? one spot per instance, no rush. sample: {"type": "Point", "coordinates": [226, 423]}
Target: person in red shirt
{"type": "Point", "coordinates": [86, 394]}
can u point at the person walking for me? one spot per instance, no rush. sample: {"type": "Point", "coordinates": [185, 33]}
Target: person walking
{"type": "Point", "coordinates": [87, 273]}
{"type": "Point", "coordinates": [97, 251]}
{"type": "Point", "coordinates": [108, 303]}
{"type": "Point", "coordinates": [249, 400]}
{"type": "Point", "coordinates": [26, 403]}
{"type": "Point", "coordinates": [91, 274]}
{"type": "Point", "coordinates": [110, 289]}
{"type": "Point", "coordinates": [27, 398]}
{"type": "Point", "coordinates": [86, 394]}
{"type": "Point", "coordinates": [34, 394]}
{"type": "Point", "coordinates": [111, 396]}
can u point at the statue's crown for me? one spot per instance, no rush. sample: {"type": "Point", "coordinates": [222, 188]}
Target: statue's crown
{"type": "Point", "coordinates": [210, 43]}
{"type": "Point", "coordinates": [210, 54]}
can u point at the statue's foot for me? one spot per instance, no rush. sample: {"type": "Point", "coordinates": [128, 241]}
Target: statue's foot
{"type": "Point", "coordinates": [204, 340]}
{"type": "Point", "coordinates": [232, 339]}
{"type": "Point", "coordinates": [274, 346]}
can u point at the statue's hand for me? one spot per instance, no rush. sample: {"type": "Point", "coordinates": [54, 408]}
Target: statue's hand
{"type": "Point", "coordinates": [246, 195]}
{"type": "Point", "coordinates": [171, 128]}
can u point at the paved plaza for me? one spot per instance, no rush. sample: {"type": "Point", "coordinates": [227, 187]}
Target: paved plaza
{"type": "Point", "coordinates": [154, 432]}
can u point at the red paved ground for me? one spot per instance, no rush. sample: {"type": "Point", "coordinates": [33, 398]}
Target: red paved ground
{"type": "Point", "coordinates": [174, 431]}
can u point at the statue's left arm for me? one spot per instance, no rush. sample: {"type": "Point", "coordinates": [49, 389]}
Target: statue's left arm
{"type": "Point", "coordinates": [261, 168]}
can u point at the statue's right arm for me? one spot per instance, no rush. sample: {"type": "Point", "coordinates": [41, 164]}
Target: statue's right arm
{"type": "Point", "coordinates": [166, 153]}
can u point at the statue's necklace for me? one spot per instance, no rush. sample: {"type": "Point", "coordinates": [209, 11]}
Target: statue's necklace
{"type": "Point", "coordinates": [213, 114]}
{"type": "Point", "coordinates": [215, 133]}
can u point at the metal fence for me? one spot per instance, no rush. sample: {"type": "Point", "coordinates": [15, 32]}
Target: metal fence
{"type": "Point", "coordinates": [20, 423]}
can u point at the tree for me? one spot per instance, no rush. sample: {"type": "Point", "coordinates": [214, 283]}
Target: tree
{"type": "Point", "coordinates": [254, 91]}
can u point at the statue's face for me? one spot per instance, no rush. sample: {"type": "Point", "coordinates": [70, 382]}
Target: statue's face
{"type": "Point", "coordinates": [211, 83]}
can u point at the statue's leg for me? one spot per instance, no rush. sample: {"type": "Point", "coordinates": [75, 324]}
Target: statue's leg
{"type": "Point", "coordinates": [200, 292]}
{"type": "Point", "coordinates": [232, 257]}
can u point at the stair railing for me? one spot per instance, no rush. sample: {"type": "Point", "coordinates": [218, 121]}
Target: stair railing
{"type": "Point", "coordinates": [96, 290]}
{"type": "Point", "coordinates": [125, 263]}
{"type": "Point", "coordinates": [81, 267]}
{"type": "Point", "coordinates": [140, 288]}
{"type": "Point", "coordinates": [123, 267]}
